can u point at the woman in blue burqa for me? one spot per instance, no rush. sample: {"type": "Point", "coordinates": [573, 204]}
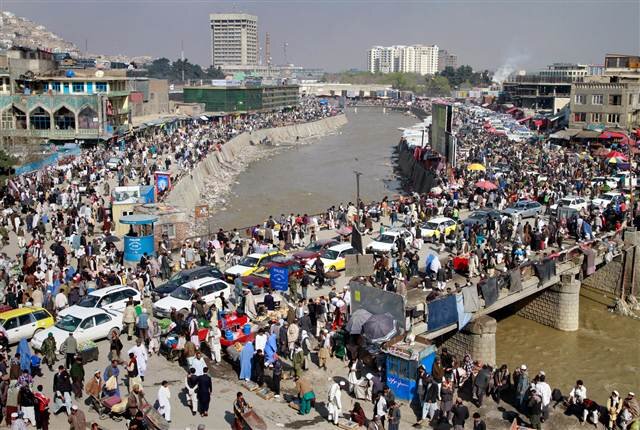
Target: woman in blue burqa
{"type": "Point", "coordinates": [25, 355]}
{"type": "Point", "coordinates": [271, 348]}
{"type": "Point", "coordinates": [246, 357]}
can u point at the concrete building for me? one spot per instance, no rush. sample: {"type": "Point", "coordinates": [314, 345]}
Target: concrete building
{"type": "Point", "coordinates": [572, 72]}
{"type": "Point", "coordinates": [326, 89]}
{"type": "Point", "coordinates": [611, 100]}
{"type": "Point", "coordinates": [243, 98]}
{"type": "Point", "coordinates": [446, 59]}
{"type": "Point", "coordinates": [234, 39]}
{"type": "Point", "coordinates": [421, 59]}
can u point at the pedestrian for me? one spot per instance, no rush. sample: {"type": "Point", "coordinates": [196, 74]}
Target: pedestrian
{"type": "Point", "coordinates": [614, 406]}
{"type": "Point", "coordinates": [460, 414]}
{"type": "Point", "coordinates": [129, 318]}
{"type": "Point", "coordinates": [246, 360]}
{"type": "Point", "coordinates": [276, 375]}
{"type": "Point", "coordinates": [191, 384]}
{"type": "Point", "coordinates": [478, 423]}
{"type": "Point", "coordinates": [142, 324]}
{"type": "Point", "coordinates": [214, 343]}
{"type": "Point", "coordinates": [240, 407]}
{"type": "Point", "coordinates": [305, 394]}
{"type": "Point", "coordinates": [522, 386]}
{"type": "Point", "coordinates": [258, 368]}
{"type": "Point", "coordinates": [62, 391]}
{"type": "Point", "coordinates": [298, 361]}
{"type": "Point", "coordinates": [393, 416]}
{"type": "Point", "coordinates": [164, 401]}
{"type": "Point", "coordinates": [205, 387]}
{"type": "Point", "coordinates": [49, 351]}
{"type": "Point", "coordinates": [534, 408]}
{"type": "Point", "coordinates": [501, 383]}
{"type": "Point", "coordinates": [42, 409]}
{"type": "Point", "coordinates": [70, 348]}
{"type": "Point", "coordinates": [380, 408]}
{"type": "Point", "coordinates": [481, 384]}
{"type": "Point", "coordinates": [77, 377]}
{"type": "Point", "coordinates": [77, 420]}
{"type": "Point", "coordinates": [142, 356]}
{"type": "Point", "coordinates": [335, 401]}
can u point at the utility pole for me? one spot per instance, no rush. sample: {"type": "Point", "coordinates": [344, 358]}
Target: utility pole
{"type": "Point", "coordinates": [358, 174]}
{"type": "Point", "coordinates": [182, 58]}
{"type": "Point", "coordinates": [284, 48]}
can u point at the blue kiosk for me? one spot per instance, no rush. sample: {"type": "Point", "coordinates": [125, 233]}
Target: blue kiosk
{"type": "Point", "coordinates": [403, 360]}
{"type": "Point", "coordinates": [140, 238]}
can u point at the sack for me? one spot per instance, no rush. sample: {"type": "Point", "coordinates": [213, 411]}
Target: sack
{"type": "Point", "coordinates": [136, 380]}
{"type": "Point", "coordinates": [111, 384]}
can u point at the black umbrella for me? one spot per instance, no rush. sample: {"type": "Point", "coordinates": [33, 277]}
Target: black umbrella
{"type": "Point", "coordinates": [111, 239]}
{"type": "Point", "coordinates": [379, 328]}
{"type": "Point", "coordinates": [357, 320]}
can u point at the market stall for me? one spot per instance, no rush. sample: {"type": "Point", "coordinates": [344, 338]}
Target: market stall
{"type": "Point", "coordinates": [403, 360]}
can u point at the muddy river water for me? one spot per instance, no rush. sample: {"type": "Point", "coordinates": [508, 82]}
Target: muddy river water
{"type": "Point", "coordinates": [605, 352]}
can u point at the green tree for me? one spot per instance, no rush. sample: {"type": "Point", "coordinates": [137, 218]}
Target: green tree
{"type": "Point", "coordinates": [6, 164]}
{"type": "Point", "coordinates": [159, 68]}
{"type": "Point", "coordinates": [437, 86]}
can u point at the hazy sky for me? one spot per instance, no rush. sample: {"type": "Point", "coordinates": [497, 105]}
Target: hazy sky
{"type": "Point", "coordinates": [335, 34]}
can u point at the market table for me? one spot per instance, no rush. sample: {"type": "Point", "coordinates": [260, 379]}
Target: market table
{"type": "Point", "coordinates": [89, 354]}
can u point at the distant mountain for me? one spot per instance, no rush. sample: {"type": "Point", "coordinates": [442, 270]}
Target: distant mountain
{"type": "Point", "coordinates": [18, 31]}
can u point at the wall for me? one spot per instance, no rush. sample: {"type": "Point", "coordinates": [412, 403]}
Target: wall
{"type": "Point", "coordinates": [187, 192]}
{"type": "Point", "coordinates": [557, 306]}
{"type": "Point", "coordinates": [478, 339]}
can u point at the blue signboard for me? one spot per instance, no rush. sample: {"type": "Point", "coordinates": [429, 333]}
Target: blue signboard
{"type": "Point", "coordinates": [279, 278]}
{"type": "Point", "coordinates": [135, 247]}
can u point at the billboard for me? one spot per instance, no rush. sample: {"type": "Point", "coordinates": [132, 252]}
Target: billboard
{"type": "Point", "coordinates": [377, 301]}
{"type": "Point", "coordinates": [442, 116]}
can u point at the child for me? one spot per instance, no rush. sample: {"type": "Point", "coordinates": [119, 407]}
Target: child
{"type": "Point", "coordinates": [35, 364]}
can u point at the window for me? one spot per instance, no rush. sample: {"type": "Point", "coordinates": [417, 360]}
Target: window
{"type": "Point", "coordinates": [101, 87]}
{"type": "Point", "coordinates": [64, 119]}
{"type": "Point", "coordinates": [7, 119]}
{"type": "Point", "coordinates": [88, 323]}
{"type": "Point", "coordinates": [78, 87]}
{"type": "Point", "coordinates": [129, 293]}
{"type": "Point", "coordinates": [580, 116]}
{"type": "Point", "coordinates": [65, 88]}
{"type": "Point", "coordinates": [40, 119]}
{"type": "Point", "coordinates": [631, 99]}
{"type": "Point", "coordinates": [55, 86]}
{"type": "Point", "coordinates": [169, 230]}
{"type": "Point", "coordinates": [613, 118]}
{"type": "Point", "coordinates": [86, 118]}
{"type": "Point", "coordinates": [10, 324]}
{"type": "Point", "coordinates": [102, 319]}
{"type": "Point", "coordinates": [25, 320]}
{"type": "Point", "coordinates": [580, 99]}
{"type": "Point", "coordinates": [41, 315]}
{"type": "Point", "coordinates": [615, 99]}
{"type": "Point", "coordinates": [596, 117]}
{"type": "Point", "coordinates": [597, 99]}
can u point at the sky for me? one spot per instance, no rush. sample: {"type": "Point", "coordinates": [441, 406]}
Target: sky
{"type": "Point", "coordinates": [335, 34]}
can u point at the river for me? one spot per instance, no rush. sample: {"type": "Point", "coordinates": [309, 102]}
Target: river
{"type": "Point", "coordinates": [312, 177]}
{"type": "Point", "coordinates": [604, 352]}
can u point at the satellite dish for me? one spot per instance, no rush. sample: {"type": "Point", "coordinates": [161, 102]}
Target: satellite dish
{"type": "Point", "coordinates": [99, 74]}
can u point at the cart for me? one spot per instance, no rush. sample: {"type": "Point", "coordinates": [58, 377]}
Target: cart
{"type": "Point", "coordinates": [235, 323]}
{"type": "Point", "coordinates": [153, 419]}
{"type": "Point", "coordinates": [253, 420]}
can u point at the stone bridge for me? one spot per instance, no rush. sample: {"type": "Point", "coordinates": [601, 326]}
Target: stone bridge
{"type": "Point", "coordinates": [554, 303]}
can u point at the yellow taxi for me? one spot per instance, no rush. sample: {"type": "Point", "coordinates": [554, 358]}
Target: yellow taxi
{"type": "Point", "coordinates": [431, 228]}
{"type": "Point", "coordinates": [250, 264]}
{"type": "Point", "coordinates": [25, 322]}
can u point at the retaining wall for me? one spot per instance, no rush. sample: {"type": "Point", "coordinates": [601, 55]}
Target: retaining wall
{"type": "Point", "coordinates": [557, 306]}
{"type": "Point", "coordinates": [188, 191]}
{"type": "Point", "coordinates": [478, 339]}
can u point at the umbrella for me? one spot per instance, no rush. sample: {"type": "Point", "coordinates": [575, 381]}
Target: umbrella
{"type": "Point", "coordinates": [379, 328]}
{"type": "Point", "coordinates": [436, 191]}
{"type": "Point", "coordinates": [614, 160]}
{"type": "Point", "coordinates": [357, 320]}
{"type": "Point", "coordinates": [475, 167]}
{"type": "Point", "coordinates": [486, 185]}
{"type": "Point", "coordinates": [616, 154]}
{"type": "Point", "coordinates": [111, 239]}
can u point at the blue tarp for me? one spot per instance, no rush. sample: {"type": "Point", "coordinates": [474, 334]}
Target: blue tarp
{"type": "Point", "coordinates": [66, 150]}
{"type": "Point", "coordinates": [442, 312]}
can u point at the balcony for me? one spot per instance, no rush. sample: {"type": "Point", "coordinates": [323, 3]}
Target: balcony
{"type": "Point", "coordinates": [54, 134]}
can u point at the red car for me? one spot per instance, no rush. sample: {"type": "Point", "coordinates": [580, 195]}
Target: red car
{"type": "Point", "coordinates": [313, 250]}
{"type": "Point", "coordinates": [260, 278]}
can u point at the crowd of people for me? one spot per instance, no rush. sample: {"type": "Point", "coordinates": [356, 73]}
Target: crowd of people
{"type": "Point", "coordinates": [58, 222]}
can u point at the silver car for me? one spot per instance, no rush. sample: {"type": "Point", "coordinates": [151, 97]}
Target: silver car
{"type": "Point", "coordinates": [525, 209]}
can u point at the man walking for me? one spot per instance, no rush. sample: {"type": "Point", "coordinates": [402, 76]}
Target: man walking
{"type": "Point", "coordinates": [460, 415]}
{"type": "Point", "coordinates": [164, 401]}
{"type": "Point", "coordinates": [205, 387]}
{"type": "Point", "coordinates": [70, 348]}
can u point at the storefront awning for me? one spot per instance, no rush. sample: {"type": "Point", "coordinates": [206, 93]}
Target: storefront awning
{"type": "Point", "coordinates": [587, 134]}
{"type": "Point", "coordinates": [564, 134]}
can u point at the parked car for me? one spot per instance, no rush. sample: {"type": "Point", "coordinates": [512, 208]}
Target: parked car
{"type": "Point", "coordinates": [524, 209]}
{"type": "Point", "coordinates": [208, 289]}
{"type": "Point", "coordinates": [113, 163]}
{"type": "Point", "coordinates": [481, 216]}
{"type": "Point", "coordinates": [574, 202]}
{"type": "Point", "coordinates": [431, 228]}
{"type": "Point", "coordinates": [604, 200]}
{"type": "Point", "coordinates": [25, 322]}
{"type": "Point", "coordinates": [387, 242]}
{"type": "Point", "coordinates": [334, 257]}
{"type": "Point", "coordinates": [312, 250]}
{"type": "Point", "coordinates": [183, 277]}
{"type": "Point", "coordinates": [112, 298]}
{"type": "Point", "coordinates": [250, 264]}
{"type": "Point", "coordinates": [85, 324]}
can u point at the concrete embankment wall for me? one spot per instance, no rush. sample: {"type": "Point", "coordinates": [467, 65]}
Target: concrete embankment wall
{"type": "Point", "coordinates": [188, 190]}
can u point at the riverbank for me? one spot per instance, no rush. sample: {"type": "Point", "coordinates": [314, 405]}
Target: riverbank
{"type": "Point", "coordinates": [210, 182]}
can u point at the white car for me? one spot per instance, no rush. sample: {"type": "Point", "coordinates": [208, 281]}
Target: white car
{"type": "Point", "coordinates": [333, 257]}
{"type": "Point", "coordinates": [603, 200]}
{"type": "Point", "coordinates": [573, 202]}
{"type": "Point", "coordinates": [113, 163]}
{"type": "Point", "coordinates": [208, 289]}
{"type": "Point", "coordinates": [112, 298]}
{"type": "Point", "coordinates": [85, 324]}
{"type": "Point", "coordinates": [388, 241]}
{"type": "Point", "coordinates": [610, 181]}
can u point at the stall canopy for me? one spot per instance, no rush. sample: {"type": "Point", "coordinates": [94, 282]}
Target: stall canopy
{"type": "Point", "coordinates": [564, 134]}
{"type": "Point", "coordinates": [138, 219]}
{"type": "Point", "coordinates": [587, 134]}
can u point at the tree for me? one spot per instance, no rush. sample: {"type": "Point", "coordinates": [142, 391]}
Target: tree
{"type": "Point", "coordinates": [159, 68]}
{"type": "Point", "coordinates": [437, 86]}
{"type": "Point", "coordinates": [214, 73]}
{"type": "Point", "coordinates": [6, 164]}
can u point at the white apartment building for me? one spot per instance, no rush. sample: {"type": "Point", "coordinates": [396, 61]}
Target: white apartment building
{"type": "Point", "coordinates": [234, 39]}
{"type": "Point", "coordinates": [419, 59]}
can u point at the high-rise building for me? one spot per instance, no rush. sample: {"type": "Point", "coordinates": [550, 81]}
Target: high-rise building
{"type": "Point", "coordinates": [446, 59]}
{"type": "Point", "coordinates": [234, 39]}
{"type": "Point", "coordinates": [406, 59]}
